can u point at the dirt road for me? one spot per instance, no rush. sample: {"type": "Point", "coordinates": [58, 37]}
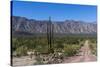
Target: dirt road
{"type": "Point", "coordinates": [84, 56]}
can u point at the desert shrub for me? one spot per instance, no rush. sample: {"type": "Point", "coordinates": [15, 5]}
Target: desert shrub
{"type": "Point", "coordinates": [59, 46]}
{"type": "Point", "coordinates": [21, 51]}
{"type": "Point", "coordinates": [70, 50]}
{"type": "Point", "coordinates": [93, 48]}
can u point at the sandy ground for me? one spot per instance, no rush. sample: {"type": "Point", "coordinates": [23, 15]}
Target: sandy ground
{"type": "Point", "coordinates": [23, 61]}
{"type": "Point", "coordinates": [84, 56]}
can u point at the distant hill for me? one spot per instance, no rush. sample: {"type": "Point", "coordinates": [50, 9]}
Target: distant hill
{"type": "Point", "coordinates": [22, 25]}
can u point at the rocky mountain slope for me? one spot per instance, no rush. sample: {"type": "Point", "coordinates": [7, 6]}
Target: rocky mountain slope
{"type": "Point", "coordinates": [22, 24]}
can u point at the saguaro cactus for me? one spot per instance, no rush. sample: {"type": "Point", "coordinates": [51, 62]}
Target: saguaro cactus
{"type": "Point", "coordinates": [50, 36]}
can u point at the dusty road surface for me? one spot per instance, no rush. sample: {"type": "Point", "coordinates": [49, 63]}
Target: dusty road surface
{"type": "Point", "coordinates": [23, 61]}
{"type": "Point", "coordinates": [84, 56]}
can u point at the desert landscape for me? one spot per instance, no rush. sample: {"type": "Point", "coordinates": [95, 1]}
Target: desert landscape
{"type": "Point", "coordinates": [52, 33]}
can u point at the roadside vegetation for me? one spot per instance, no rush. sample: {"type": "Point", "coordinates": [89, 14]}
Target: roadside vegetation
{"type": "Point", "coordinates": [62, 46]}
{"type": "Point", "coordinates": [93, 46]}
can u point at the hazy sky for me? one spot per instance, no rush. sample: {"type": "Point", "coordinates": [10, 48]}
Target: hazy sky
{"type": "Point", "coordinates": [58, 12]}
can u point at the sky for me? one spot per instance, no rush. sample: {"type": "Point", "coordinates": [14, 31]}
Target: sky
{"type": "Point", "coordinates": [58, 12]}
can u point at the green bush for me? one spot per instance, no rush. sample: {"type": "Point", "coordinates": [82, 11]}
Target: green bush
{"type": "Point", "coordinates": [71, 50]}
{"type": "Point", "coordinates": [21, 51]}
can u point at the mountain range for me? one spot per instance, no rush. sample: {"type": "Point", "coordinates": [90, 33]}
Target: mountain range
{"type": "Point", "coordinates": [29, 26]}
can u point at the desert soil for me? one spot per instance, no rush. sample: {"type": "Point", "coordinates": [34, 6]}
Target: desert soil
{"type": "Point", "coordinates": [23, 61]}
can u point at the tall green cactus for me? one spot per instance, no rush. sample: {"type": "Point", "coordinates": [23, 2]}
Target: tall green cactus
{"type": "Point", "coordinates": [50, 34]}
